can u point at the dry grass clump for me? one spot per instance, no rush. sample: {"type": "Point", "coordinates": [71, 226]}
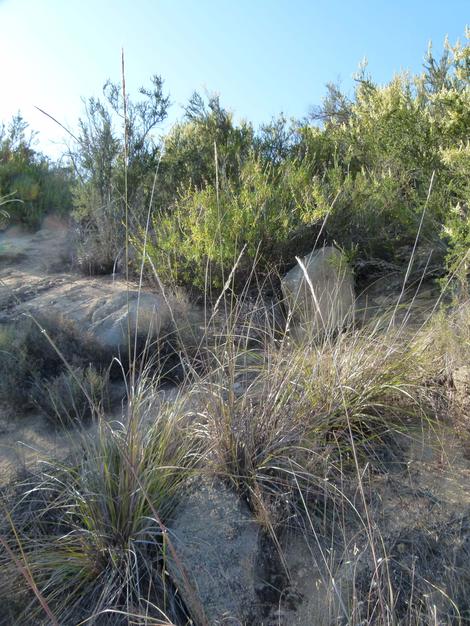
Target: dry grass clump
{"type": "Point", "coordinates": [422, 577]}
{"type": "Point", "coordinates": [33, 351]}
{"type": "Point", "coordinates": [279, 414]}
{"type": "Point", "coordinates": [90, 534]}
{"type": "Point", "coordinates": [445, 338]}
{"type": "Point", "coordinates": [445, 342]}
{"type": "Point", "coordinates": [93, 257]}
{"type": "Point", "coordinates": [73, 396]}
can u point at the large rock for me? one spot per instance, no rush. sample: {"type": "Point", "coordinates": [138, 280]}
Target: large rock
{"type": "Point", "coordinates": [148, 316]}
{"type": "Point", "coordinates": [216, 541]}
{"type": "Point", "coordinates": [33, 281]}
{"type": "Point", "coordinates": [320, 298]}
{"type": "Point", "coordinates": [461, 391]}
{"type": "Point", "coordinates": [105, 310]}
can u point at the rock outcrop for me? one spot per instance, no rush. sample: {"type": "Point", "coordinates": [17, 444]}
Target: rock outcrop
{"type": "Point", "coordinates": [107, 311]}
{"type": "Point", "coordinates": [319, 292]}
{"type": "Point", "coordinates": [216, 540]}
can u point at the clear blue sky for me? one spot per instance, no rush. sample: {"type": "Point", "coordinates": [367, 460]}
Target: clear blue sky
{"type": "Point", "coordinates": [262, 56]}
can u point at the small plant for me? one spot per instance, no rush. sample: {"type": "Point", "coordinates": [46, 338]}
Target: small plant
{"type": "Point", "coordinates": [72, 396]}
{"type": "Point", "coordinates": [15, 372]}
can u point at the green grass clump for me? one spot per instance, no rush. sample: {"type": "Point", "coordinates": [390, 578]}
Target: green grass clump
{"type": "Point", "coordinates": [92, 531]}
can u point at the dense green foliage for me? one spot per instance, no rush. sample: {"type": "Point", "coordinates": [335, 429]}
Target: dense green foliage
{"type": "Point", "coordinates": [366, 172]}
{"type": "Point", "coordinates": [363, 177]}
{"type": "Point", "coordinates": [115, 157]}
{"type": "Point", "coordinates": [33, 184]}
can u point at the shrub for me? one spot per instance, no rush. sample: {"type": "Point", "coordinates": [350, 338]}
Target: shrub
{"type": "Point", "coordinates": [381, 162]}
{"type": "Point", "coordinates": [97, 248]}
{"type": "Point", "coordinates": [35, 183]}
{"type": "Point", "coordinates": [206, 144]}
{"type": "Point", "coordinates": [116, 173]}
{"type": "Point", "coordinates": [261, 214]}
{"type": "Point", "coordinates": [457, 224]}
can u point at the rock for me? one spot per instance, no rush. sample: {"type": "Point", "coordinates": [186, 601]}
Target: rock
{"type": "Point", "coordinates": [13, 245]}
{"type": "Point", "coordinates": [105, 310]}
{"type": "Point", "coordinates": [461, 383]}
{"type": "Point", "coordinates": [147, 316]}
{"type": "Point", "coordinates": [216, 541]}
{"type": "Point", "coordinates": [330, 307]}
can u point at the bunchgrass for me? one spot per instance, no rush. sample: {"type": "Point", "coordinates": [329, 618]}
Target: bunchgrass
{"type": "Point", "coordinates": [277, 412]}
{"type": "Point", "coordinates": [75, 395]}
{"type": "Point", "coordinates": [91, 531]}
{"type": "Point", "coordinates": [35, 350]}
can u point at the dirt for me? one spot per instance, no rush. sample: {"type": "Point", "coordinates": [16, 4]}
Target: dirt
{"type": "Point", "coordinates": [32, 262]}
{"type": "Point", "coordinates": [418, 512]}
{"type": "Point", "coordinates": [35, 266]}
{"type": "Point", "coordinates": [28, 439]}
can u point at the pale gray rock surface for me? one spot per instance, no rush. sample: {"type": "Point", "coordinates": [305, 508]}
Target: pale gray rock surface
{"type": "Point", "coordinates": [320, 298]}
{"type": "Point", "coordinates": [216, 540]}
{"type": "Point", "coordinates": [105, 310]}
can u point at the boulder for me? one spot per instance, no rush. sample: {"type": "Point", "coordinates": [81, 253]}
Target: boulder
{"type": "Point", "coordinates": [148, 316]}
{"type": "Point", "coordinates": [106, 311]}
{"type": "Point", "coordinates": [320, 295]}
{"type": "Point", "coordinates": [461, 385]}
{"type": "Point", "coordinates": [216, 541]}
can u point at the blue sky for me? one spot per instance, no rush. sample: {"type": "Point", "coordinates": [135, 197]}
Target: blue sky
{"type": "Point", "coordinates": [261, 56]}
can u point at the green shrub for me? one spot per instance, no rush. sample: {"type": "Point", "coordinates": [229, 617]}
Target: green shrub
{"type": "Point", "coordinates": [363, 178]}
{"type": "Point", "coordinates": [380, 162]}
{"type": "Point", "coordinates": [457, 224]}
{"type": "Point", "coordinates": [261, 213]}
{"type": "Point", "coordinates": [37, 185]}
{"type": "Point", "coordinates": [375, 212]}
{"type": "Point", "coordinates": [205, 144]}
